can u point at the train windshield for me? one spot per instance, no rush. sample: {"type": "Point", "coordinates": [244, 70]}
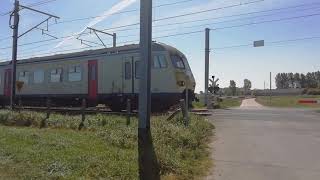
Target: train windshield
{"type": "Point", "coordinates": [178, 62]}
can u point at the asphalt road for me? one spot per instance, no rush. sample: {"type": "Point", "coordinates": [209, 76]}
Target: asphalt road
{"type": "Point", "coordinates": [256, 143]}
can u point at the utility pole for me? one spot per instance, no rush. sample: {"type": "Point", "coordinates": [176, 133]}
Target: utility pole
{"type": "Point", "coordinates": [264, 88]}
{"type": "Point", "coordinates": [270, 88]}
{"type": "Point", "coordinates": [15, 27]}
{"type": "Point", "coordinates": [16, 36]}
{"type": "Point", "coordinates": [148, 168]}
{"type": "Point", "coordinates": [207, 57]}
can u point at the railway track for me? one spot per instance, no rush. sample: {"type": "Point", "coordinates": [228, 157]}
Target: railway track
{"type": "Point", "coordinates": [68, 110]}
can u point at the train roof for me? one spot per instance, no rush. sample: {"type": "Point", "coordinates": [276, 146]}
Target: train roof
{"type": "Point", "coordinates": [114, 50]}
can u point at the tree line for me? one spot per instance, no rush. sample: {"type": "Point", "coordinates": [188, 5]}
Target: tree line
{"type": "Point", "coordinates": [298, 80]}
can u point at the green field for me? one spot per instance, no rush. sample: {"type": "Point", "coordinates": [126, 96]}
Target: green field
{"type": "Point", "coordinates": [228, 103]}
{"type": "Point", "coordinates": [105, 149]}
{"type": "Point", "coordinates": [287, 101]}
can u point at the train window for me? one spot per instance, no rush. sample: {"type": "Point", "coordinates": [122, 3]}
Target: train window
{"type": "Point", "coordinates": [75, 73]}
{"type": "Point", "coordinates": [24, 77]}
{"type": "Point", "coordinates": [137, 69]}
{"type": "Point", "coordinates": [56, 75]}
{"type": "Point", "coordinates": [38, 76]}
{"type": "Point", "coordinates": [162, 61]}
{"type": "Point", "coordinates": [177, 62]}
{"type": "Point", "coordinates": [159, 62]}
{"type": "Point", "coordinates": [127, 69]}
{"type": "Point", "coordinates": [156, 63]}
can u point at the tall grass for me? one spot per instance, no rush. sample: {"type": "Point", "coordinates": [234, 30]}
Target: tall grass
{"type": "Point", "coordinates": [106, 148]}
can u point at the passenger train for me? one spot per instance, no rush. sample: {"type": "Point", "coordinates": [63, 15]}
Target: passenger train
{"type": "Point", "coordinates": [107, 76]}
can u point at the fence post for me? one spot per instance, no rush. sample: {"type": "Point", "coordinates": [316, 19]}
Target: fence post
{"type": "Point", "coordinates": [83, 117]}
{"type": "Point", "coordinates": [128, 111]}
{"type": "Point", "coordinates": [43, 122]}
{"type": "Point", "coordinates": [184, 112]}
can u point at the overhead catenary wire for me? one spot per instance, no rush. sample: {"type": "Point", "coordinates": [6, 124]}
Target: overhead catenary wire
{"type": "Point", "coordinates": [122, 12]}
{"type": "Point", "coordinates": [226, 27]}
{"type": "Point", "coordinates": [188, 14]}
{"type": "Point", "coordinates": [86, 18]}
{"type": "Point", "coordinates": [247, 24]}
{"type": "Point", "coordinates": [171, 17]}
{"type": "Point", "coordinates": [268, 43]}
{"type": "Point", "coordinates": [242, 14]}
{"type": "Point", "coordinates": [31, 5]}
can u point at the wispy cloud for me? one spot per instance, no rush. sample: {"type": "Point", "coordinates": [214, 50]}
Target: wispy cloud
{"type": "Point", "coordinates": [114, 9]}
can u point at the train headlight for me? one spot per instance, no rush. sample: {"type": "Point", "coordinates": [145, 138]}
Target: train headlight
{"type": "Point", "coordinates": [181, 83]}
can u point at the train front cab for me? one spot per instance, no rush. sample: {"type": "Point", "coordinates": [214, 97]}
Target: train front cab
{"type": "Point", "coordinates": [183, 74]}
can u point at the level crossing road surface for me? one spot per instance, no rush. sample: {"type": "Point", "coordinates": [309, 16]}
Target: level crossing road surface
{"type": "Point", "coordinates": [258, 143]}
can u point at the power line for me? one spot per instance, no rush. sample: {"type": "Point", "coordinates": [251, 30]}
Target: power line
{"type": "Point", "coordinates": [235, 15]}
{"type": "Point", "coordinates": [170, 17]}
{"type": "Point", "coordinates": [86, 18]}
{"type": "Point", "coordinates": [122, 12]}
{"type": "Point", "coordinates": [186, 27]}
{"type": "Point", "coordinates": [267, 21]}
{"type": "Point", "coordinates": [188, 14]}
{"type": "Point", "coordinates": [272, 43]}
{"type": "Point", "coordinates": [31, 5]}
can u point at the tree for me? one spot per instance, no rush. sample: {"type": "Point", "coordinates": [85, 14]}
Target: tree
{"type": "Point", "coordinates": [246, 85]}
{"type": "Point", "coordinates": [297, 80]}
{"type": "Point", "coordinates": [278, 81]}
{"type": "Point", "coordinates": [303, 81]}
{"type": "Point", "coordinates": [291, 80]}
{"type": "Point", "coordinates": [318, 78]}
{"type": "Point", "coordinates": [233, 87]}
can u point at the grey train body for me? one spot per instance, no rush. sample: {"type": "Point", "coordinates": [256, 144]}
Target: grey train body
{"type": "Point", "coordinates": [106, 76]}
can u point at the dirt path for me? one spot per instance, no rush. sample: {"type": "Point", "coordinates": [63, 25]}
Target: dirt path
{"type": "Point", "coordinates": [250, 104]}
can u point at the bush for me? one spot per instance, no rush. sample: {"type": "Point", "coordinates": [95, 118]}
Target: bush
{"type": "Point", "coordinates": [312, 91]}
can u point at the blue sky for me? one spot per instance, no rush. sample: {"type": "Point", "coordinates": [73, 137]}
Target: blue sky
{"type": "Point", "coordinates": [230, 63]}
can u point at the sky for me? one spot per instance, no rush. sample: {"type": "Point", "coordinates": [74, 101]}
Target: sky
{"type": "Point", "coordinates": [227, 60]}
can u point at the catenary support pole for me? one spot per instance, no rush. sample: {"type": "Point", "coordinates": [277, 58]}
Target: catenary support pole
{"type": "Point", "coordinates": [114, 39]}
{"type": "Point", "coordinates": [15, 28]}
{"type": "Point", "coordinates": [148, 168]}
{"type": "Point", "coordinates": [207, 56]}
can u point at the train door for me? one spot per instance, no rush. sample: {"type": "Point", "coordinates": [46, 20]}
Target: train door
{"type": "Point", "coordinates": [7, 82]}
{"type": "Point", "coordinates": [128, 75]}
{"type": "Point", "coordinates": [93, 80]}
{"type": "Point", "coordinates": [137, 69]}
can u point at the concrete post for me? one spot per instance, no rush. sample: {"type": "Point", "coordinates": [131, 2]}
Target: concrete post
{"type": "Point", "coordinates": [207, 57]}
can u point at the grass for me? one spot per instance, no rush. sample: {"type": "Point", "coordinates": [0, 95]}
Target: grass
{"type": "Point", "coordinates": [198, 105]}
{"type": "Point", "coordinates": [228, 103]}
{"type": "Point", "coordinates": [106, 148]}
{"type": "Point", "coordinates": [287, 101]}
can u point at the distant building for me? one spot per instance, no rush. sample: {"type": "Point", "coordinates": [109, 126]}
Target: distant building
{"type": "Point", "coordinates": [295, 85]}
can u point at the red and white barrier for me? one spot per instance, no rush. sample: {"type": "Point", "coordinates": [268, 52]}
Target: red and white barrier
{"type": "Point", "coordinates": [309, 101]}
